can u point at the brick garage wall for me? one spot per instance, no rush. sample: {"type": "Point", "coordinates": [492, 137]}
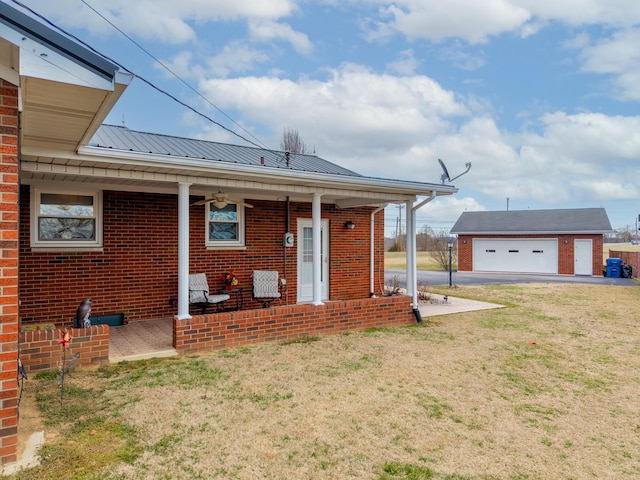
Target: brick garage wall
{"type": "Point", "coordinates": [232, 329]}
{"type": "Point", "coordinates": [629, 258]}
{"type": "Point", "coordinates": [9, 271]}
{"type": "Point", "coordinates": [137, 271]}
{"type": "Point", "coordinates": [566, 256]}
{"type": "Point", "coordinates": [40, 351]}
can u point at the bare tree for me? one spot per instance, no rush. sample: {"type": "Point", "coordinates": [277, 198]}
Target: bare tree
{"type": "Point", "coordinates": [440, 251]}
{"type": "Point", "coordinates": [292, 142]}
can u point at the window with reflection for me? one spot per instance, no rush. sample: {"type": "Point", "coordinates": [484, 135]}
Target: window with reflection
{"type": "Point", "coordinates": [225, 226]}
{"type": "Point", "coordinates": [65, 219]}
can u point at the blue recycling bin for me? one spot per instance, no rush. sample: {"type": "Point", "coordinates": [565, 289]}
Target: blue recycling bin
{"type": "Point", "coordinates": [614, 267]}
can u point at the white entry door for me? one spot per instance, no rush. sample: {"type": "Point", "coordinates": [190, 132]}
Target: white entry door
{"type": "Point", "coordinates": [305, 260]}
{"type": "Point", "coordinates": [583, 255]}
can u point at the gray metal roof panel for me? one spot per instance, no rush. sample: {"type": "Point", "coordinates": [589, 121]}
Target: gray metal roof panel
{"type": "Point", "coordinates": [121, 138]}
{"type": "Point", "coordinates": [576, 220]}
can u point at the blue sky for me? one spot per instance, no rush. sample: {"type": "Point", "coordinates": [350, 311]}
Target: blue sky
{"type": "Point", "coordinates": [541, 96]}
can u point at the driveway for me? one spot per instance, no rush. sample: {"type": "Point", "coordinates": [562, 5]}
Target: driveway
{"type": "Point", "coordinates": [478, 278]}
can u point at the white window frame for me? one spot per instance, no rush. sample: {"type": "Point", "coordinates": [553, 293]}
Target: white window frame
{"type": "Point", "coordinates": [225, 244]}
{"type": "Point", "coordinates": [75, 245]}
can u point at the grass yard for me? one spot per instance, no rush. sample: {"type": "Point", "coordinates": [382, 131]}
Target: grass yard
{"type": "Point", "coordinates": [398, 260]}
{"type": "Point", "coordinates": [547, 388]}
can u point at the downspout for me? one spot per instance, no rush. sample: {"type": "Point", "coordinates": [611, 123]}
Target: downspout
{"type": "Point", "coordinates": [414, 273]}
{"type": "Point", "coordinates": [285, 248]}
{"type": "Point", "coordinates": [372, 257]}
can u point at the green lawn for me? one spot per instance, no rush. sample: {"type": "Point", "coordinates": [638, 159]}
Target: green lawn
{"type": "Point", "coordinates": [398, 260]}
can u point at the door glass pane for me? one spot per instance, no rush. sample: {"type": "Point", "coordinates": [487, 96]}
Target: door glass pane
{"type": "Point", "coordinates": [307, 255]}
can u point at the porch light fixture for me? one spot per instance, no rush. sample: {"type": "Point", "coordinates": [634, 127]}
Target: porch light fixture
{"type": "Point", "coordinates": [349, 225]}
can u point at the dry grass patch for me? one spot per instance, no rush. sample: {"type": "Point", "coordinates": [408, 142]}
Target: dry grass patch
{"type": "Point", "coordinates": [546, 388]}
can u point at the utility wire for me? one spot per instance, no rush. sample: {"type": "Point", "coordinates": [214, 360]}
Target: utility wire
{"type": "Point", "coordinates": [155, 87]}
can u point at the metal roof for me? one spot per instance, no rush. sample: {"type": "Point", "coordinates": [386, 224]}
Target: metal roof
{"type": "Point", "coordinates": [519, 222]}
{"type": "Point", "coordinates": [121, 138]}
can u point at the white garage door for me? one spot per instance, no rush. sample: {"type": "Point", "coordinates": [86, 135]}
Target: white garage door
{"type": "Point", "coordinates": [531, 255]}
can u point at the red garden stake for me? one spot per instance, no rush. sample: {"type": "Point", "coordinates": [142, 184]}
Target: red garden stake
{"type": "Point", "coordinates": [65, 341]}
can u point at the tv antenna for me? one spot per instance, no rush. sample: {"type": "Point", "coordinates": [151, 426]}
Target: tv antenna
{"type": "Point", "coordinates": [445, 177]}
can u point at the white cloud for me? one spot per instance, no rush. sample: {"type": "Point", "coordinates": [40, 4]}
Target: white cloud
{"type": "Point", "coordinates": [163, 20]}
{"type": "Point", "coordinates": [266, 30]}
{"type": "Point", "coordinates": [471, 20]}
{"type": "Point", "coordinates": [619, 57]}
{"type": "Point", "coordinates": [235, 57]}
{"type": "Point", "coordinates": [355, 115]}
{"type": "Point", "coordinates": [619, 13]}
{"type": "Point", "coordinates": [406, 63]}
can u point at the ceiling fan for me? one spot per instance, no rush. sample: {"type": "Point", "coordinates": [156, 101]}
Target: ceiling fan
{"type": "Point", "coordinates": [221, 200]}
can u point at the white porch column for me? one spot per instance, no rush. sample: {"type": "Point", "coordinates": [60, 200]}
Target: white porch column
{"type": "Point", "coordinates": [411, 250]}
{"type": "Point", "coordinates": [414, 247]}
{"type": "Point", "coordinates": [316, 224]}
{"type": "Point", "coordinates": [183, 251]}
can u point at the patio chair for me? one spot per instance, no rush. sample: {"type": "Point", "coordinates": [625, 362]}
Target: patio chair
{"type": "Point", "coordinates": [266, 287]}
{"type": "Point", "coordinates": [199, 293]}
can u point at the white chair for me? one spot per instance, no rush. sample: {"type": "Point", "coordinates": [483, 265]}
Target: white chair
{"type": "Point", "coordinates": [199, 293]}
{"type": "Point", "coordinates": [266, 287]}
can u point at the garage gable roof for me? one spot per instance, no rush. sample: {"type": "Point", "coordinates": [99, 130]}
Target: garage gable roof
{"type": "Point", "coordinates": [519, 222]}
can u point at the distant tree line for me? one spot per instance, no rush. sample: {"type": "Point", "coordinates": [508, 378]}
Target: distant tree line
{"type": "Point", "coordinates": [622, 235]}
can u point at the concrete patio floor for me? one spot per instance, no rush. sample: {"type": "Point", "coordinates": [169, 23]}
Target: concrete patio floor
{"type": "Point", "coordinates": [141, 339]}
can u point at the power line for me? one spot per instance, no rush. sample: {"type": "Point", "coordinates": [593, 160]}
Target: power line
{"type": "Point", "coordinates": [148, 82]}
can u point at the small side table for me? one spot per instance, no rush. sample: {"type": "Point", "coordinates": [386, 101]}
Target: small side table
{"type": "Point", "coordinates": [238, 292]}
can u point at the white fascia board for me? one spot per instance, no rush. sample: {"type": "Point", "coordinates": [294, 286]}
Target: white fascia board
{"type": "Point", "coordinates": [38, 61]}
{"type": "Point", "coordinates": [308, 178]}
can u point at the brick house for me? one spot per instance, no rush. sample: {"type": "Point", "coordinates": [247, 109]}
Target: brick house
{"type": "Point", "coordinates": [103, 212]}
{"type": "Point", "coordinates": [560, 242]}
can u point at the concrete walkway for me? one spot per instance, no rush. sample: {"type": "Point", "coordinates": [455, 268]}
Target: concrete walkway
{"type": "Point", "coordinates": [440, 305]}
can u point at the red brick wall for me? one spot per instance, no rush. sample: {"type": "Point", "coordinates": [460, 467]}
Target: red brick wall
{"type": "Point", "coordinates": [232, 329]}
{"type": "Point", "coordinates": [40, 351]}
{"type": "Point", "coordinates": [565, 251]}
{"type": "Point", "coordinates": [9, 271]}
{"type": "Point", "coordinates": [136, 273]}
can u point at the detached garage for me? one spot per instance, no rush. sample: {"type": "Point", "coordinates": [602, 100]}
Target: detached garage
{"type": "Point", "coordinates": [557, 242]}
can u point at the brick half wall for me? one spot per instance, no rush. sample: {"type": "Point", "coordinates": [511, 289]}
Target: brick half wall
{"type": "Point", "coordinates": [40, 351]}
{"type": "Point", "coordinates": [279, 323]}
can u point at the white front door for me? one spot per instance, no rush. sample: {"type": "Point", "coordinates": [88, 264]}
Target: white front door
{"type": "Point", "coordinates": [583, 256]}
{"type": "Point", "coordinates": [305, 260]}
